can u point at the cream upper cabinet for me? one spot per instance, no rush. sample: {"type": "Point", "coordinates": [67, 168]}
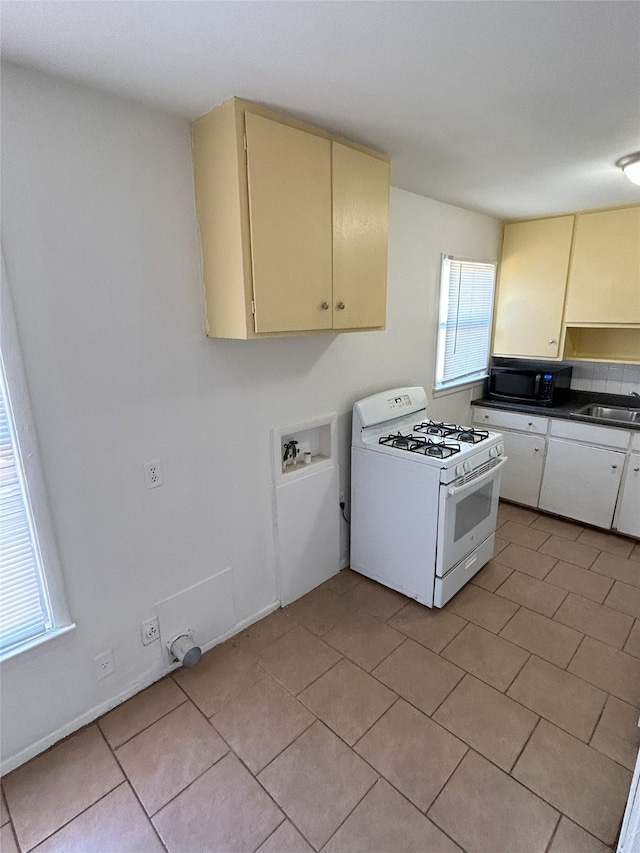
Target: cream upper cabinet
{"type": "Point", "coordinates": [360, 225]}
{"type": "Point", "coordinates": [293, 225]}
{"type": "Point", "coordinates": [289, 183]}
{"type": "Point", "coordinates": [604, 279]}
{"type": "Point", "coordinates": [531, 287]}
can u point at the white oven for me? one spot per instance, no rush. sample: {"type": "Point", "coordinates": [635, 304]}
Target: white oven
{"type": "Point", "coordinates": [424, 496]}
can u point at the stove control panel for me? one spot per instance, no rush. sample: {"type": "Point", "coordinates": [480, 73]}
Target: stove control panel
{"type": "Point", "coordinates": [401, 402]}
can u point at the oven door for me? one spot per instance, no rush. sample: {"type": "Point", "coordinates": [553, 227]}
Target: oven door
{"type": "Point", "coordinates": [467, 514]}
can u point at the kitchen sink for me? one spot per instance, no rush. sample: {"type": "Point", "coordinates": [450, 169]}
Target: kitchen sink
{"type": "Point", "coordinates": [610, 413]}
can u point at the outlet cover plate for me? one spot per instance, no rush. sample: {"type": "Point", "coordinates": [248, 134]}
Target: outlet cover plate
{"type": "Point", "coordinates": [150, 631]}
{"type": "Point", "coordinates": [153, 474]}
{"type": "Point", "coordinates": [104, 664]}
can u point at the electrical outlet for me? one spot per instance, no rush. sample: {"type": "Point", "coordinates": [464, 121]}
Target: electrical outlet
{"type": "Point", "coordinates": [153, 474]}
{"type": "Point", "coordinates": [104, 664]}
{"type": "Point", "coordinates": [150, 631]}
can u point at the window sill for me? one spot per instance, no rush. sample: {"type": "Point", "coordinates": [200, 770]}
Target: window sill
{"type": "Point", "coordinates": [34, 643]}
{"type": "Point", "coordinates": [463, 386]}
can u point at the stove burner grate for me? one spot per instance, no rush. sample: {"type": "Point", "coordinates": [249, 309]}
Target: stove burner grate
{"type": "Point", "coordinates": [420, 444]}
{"type": "Point", "coordinates": [472, 436]}
{"type": "Point", "coordinates": [437, 428]}
{"type": "Point", "coordinates": [468, 435]}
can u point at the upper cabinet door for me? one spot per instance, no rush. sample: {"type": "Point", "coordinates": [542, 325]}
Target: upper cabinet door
{"type": "Point", "coordinates": [289, 185]}
{"type": "Point", "coordinates": [360, 226]}
{"type": "Point", "coordinates": [604, 281]}
{"type": "Point", "coordinates": [531, 287]}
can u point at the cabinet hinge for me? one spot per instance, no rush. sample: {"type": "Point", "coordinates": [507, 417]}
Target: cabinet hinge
{"type": "Point", "coordinates": [253, 307]}
{"type": "Point", "coordinates": [244, 141]}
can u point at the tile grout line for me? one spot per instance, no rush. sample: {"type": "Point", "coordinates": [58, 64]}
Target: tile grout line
{"type": "Point", "coordinates": [144, 728]}
{"type": "Point", "coordinates": [230, 751]}
{"type": "Point", "coordinates": [547, 849]}
{"type": "Point", "coordinates": [598, 604]}
{"type": "Point", "coordinates": [366, 794]}
{"type": "Point", "coordinates": [123, 781]}
{"type": "Point", "coordinates": [508, 687]}
{"type": "Point", "coordinates": [446, 781]}
{"type": "Point", "coordinates": [135, 793]}
{"type": "Point", "coordinates": [520, 604]}
{"type": "Point", "coordinates": [626, 639]}
{"type": "Point", "coordinates": [372, 767]}
{"type": "Point", "coordinates": [519, 755]}
{"type": "Point", "coordinates": [448, 643]}
{"type": "Point", "coordinates": [636, 746]}
{"type": "Point", "coordinates": [9, 823]}
{"type": "Point", "coordinates": [539, 795]}
{"type": "Point", "coordinates": [195, 779]}
{"type": "Point", "coordinates": [273, 832]}
{"type": "Point", "coordinates": [566, 668]}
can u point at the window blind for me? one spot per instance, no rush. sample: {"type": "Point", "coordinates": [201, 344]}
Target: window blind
{"type": "Point", "coordinates": [24, 605]}
{"type": "Point", "coordinates": [466, 303]}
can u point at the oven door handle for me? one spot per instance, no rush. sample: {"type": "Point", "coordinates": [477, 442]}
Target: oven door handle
{"type": "Point", "coordinates": [455, 490]}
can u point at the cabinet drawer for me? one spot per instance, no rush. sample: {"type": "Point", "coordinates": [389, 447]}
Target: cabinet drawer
{"type": "Point", "coordinates": [510, 420]}
{"type": "Point", "coordinates": [591, 433]}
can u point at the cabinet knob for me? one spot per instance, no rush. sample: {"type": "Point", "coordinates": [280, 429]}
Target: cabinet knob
{"type": "Point", "coordinates": [530, 423]}
{"type": "Point", "coordinates": [636, 470]}
{"type": "Point", "coordinates": [614, 466]}
{"type": "Point", "coordinates": [340, 305]}
{"type": "Point", "coordinates": [325, 306]}
{"type": "Point", "coordinates": [552, 342]}
{"type": "Point", "coordinates": [537, 449]}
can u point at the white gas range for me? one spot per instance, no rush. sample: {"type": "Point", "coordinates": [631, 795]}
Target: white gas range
{"type": "Point", "coordinates": [424, 496]}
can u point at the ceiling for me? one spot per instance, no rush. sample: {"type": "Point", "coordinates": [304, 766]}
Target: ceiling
{"type": "Point", "coordinates": [510, 108]}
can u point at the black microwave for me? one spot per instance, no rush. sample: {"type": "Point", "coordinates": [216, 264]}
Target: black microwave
{"type": "Point", "coordinates": [533, 383]}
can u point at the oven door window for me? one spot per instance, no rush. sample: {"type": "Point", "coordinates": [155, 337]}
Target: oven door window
{"type": "Point", "coordinates": [465, 520]}
{"type": "Point", "coordinates": [473, 510]}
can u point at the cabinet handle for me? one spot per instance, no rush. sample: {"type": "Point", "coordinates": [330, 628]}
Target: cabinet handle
{"type": "Point", "coordinates": [340, 305]}
{"type": "Point", "coordinates": [325, 306]}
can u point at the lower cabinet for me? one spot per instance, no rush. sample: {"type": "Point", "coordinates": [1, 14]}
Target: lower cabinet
{"type": "Point", "coordinates": [587, 472]}
{"type": "Point", "coordinates": [627, 517]}
{"type": "Point", "coordinates": [522, 475]}
{"type": "Point", "coordinates": [524, 446]}
{"type": "Point", "coordinates": [581, 482]}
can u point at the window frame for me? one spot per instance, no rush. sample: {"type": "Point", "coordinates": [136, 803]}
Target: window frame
{"type": "Point", "coordinates": [463, 381]}
{"type": "Point", "coordinates": [19, 406]}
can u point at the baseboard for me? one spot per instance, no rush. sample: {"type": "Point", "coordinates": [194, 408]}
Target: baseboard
{"type": "Point", "coordinates": [9, 764]}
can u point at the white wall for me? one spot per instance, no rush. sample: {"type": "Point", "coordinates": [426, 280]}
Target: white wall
{"type": "Point", "coordinates": [100, 243]}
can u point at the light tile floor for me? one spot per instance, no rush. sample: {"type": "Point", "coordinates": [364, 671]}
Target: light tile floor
{"type": "Point", "coordinates": [358, 720]}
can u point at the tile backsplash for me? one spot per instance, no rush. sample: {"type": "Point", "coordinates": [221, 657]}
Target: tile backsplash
{"type": "Point", "coordinates": [609, 378]}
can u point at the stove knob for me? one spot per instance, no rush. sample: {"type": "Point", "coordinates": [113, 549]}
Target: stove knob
{"type": "Point", "coordinates": [500, 449]}
{"type": "Point", "coordinates": [493, 451]}
{"type": "Point", "coordinates": [467, 467]}
{"type": "Point", "coordinates": [459, 470]}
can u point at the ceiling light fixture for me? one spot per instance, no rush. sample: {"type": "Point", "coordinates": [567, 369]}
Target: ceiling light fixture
{"type": "Point", "coordinates": [630, 165]}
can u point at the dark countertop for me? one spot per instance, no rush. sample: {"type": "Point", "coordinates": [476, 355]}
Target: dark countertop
{"type": "Point", "coordinates": [567, 410]}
